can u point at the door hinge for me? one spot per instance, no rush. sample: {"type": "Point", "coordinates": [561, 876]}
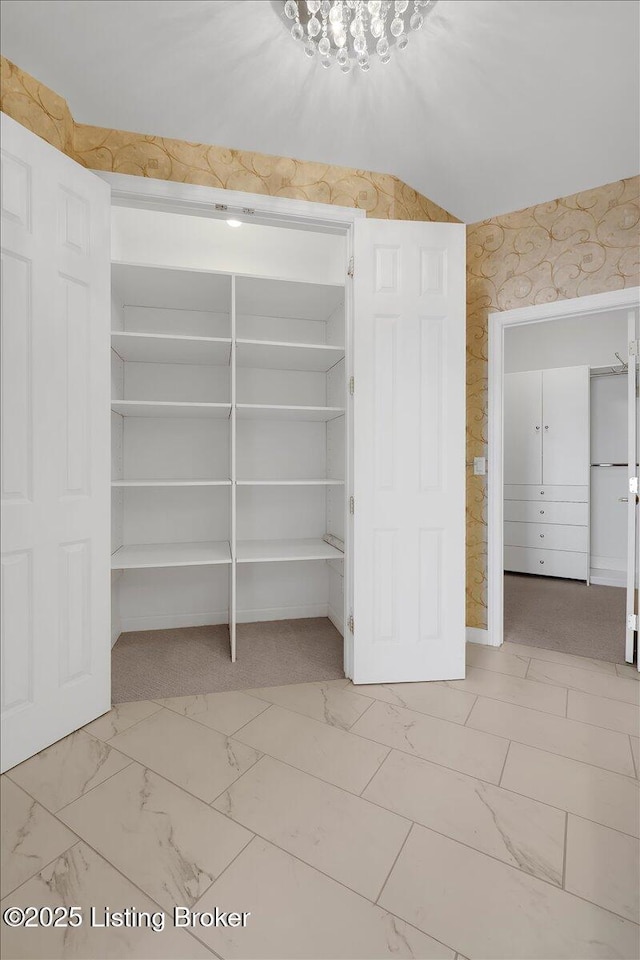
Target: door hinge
{"type": "Point", "coordinates": [633, 484]}
{"type": "Point", "coordinates": [350, 271]}
{"type": "Point", "coordinates": [350, 623]}
{"type": "Point", "coordinates": [352, 385]}
{"type": "Point", "coordinates": [352, 505]}
{"type": "Point", "coordinates": [632, 622]}
{"type": "Point", "coordinates": [634, 348]}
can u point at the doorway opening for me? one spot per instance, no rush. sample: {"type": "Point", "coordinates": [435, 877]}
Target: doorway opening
{"type": "Point", "coordinates": [563, 452]}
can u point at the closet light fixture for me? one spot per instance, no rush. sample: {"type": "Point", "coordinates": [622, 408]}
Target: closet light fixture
{"type": "Point", "coordinates": [234, 223]}
{"type": "Point", "coordinates": [352, 31]}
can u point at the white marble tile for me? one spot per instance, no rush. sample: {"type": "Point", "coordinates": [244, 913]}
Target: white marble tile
{"type": "Point", "coordinates": [520, 831]}
{"type": "Point", "coordinates": [580, 788]}
{"type": "Point", "coordinates": [556, 656]}
{"type": "Point", "coordinates": [431, 698]}
{"type": "Point", "coordinates": [501, 659]}
{"type": "Point", "coordinates": [315, 747]}
{"type": "Point", "coordinates": [478, 754]}
{"type": "Point", "coordinates": [82, 878]}
{"type": "Point", "coordinates": [603, 866]}
{"type": "Point", "coordinates": [200, 760]}
{"type": "Point", "coordinates": [635, 750]}
{"type": "Point", "coordinates": [31, 836]}
{"type": "Point", "coordinates": [338, 706]}
{"type": "Point", "coordinates": [574, 678]}
{"type": "Point", "coordinates": [628, 670]}
{"type": "Point", "coordinates": [120, 717]}
{"type": "Point", "coordinates": [342, 835]}
{"type": "Point", "coordinates": [224, 712]}
{"type": "Point", "coordinates": [489, 909]}
{"type": "Point", "coordinates": [525, 693]}
{"type": "Point", "coordinates": [299, 914]}
{"type": "Point", "coordinates": [603, 712]}
{"type": "Point", "coordinates": [170, 844]}
{"type": "Point", "coordinates": [67, 769]}
{"type": "Point", "coordinates": [570, 738]}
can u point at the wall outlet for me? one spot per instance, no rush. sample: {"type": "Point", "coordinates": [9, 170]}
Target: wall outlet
{"type": "Point", "coordinates": [479, 466]}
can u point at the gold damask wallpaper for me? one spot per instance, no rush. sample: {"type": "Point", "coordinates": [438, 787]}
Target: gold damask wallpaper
{"type": "Point", "coordinates": [572, 247]}
{"type": "Point", "coordinates": [47, 114]}
{"type": "Point", "coordinates": [577, 245]}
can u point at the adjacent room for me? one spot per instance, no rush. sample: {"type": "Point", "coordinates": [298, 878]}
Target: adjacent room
{"type": "Point", "coordinates": [320, 463]}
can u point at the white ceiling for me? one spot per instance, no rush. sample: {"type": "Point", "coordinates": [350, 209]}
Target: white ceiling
{"type": "Point", "coordinates": [495, 104]}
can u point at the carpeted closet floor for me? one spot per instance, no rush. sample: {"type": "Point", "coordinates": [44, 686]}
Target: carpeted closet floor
{"type": "Point", "coordinates": [192, 660]}
{"type": "Point", "coordinates": [565, 615]}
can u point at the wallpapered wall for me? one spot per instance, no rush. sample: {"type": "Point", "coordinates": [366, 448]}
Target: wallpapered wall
{"type": "Point", "coordinates": [572, 247]}
{"type": "Point", "coordinates": [47, 114]}
{"type": "Point", "coordinates": [586, 243]}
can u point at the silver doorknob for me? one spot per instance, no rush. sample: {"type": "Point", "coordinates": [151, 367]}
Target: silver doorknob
{"type": "Point", "coordinates": [623, 499]}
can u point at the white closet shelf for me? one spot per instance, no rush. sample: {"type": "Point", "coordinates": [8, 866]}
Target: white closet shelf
{"type": "Point", "coordinates": [170, 483]}
{"type": "Point", "coordinates": [166, 348]}
{"type": "Point", "coordinates": [275, 355]}
{"type": "Point", "coordinates": [170, 408]}
{"type": "Point", "coordinates": [263, 551]}
{"type": "Point", "coordinates": [262, 411]}
{"type": "Point", "coordinates": [140, 555]}
{"type": "Point", "coordinates": [289, 483]}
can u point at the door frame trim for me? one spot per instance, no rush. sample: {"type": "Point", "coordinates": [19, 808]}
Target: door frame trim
{"type": "Point", "coordinates": [498, 322]}
{"type": "Point", "coordinates": [215, 202]}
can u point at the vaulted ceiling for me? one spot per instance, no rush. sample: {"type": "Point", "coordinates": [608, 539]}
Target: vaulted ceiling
{"type": "Point", "coordinates": [495, 104]}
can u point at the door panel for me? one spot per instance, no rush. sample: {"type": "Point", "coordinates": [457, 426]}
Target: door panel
{"type": "Point", "coordinates": [409, 460]}
{"type": "Point", "coordinates": [55, 444]}
{"type": "Point", "coordinates": [565, 428]}
{"type": "Point", "coordinates": [633, 514]}
{"type": "Point", "coordinates": [523, 427]}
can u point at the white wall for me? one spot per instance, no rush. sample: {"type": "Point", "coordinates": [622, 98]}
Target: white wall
{"type": "Point", "coordinates": [566, 343]}
{"type": "Point", "coordinates": [177, 240]}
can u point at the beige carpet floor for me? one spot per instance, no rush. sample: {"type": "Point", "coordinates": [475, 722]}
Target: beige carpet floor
{"type": "Point", "coordinates": [565, 615]}
{"type": "Point", "coordinates": [190, 660]}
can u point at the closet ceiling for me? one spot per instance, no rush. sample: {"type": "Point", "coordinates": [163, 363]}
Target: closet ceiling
{"type": "Point", "coordinates": [496, 105]}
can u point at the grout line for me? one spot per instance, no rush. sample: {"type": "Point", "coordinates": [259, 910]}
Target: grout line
{"type": "Point", "coordinates": [375, 772]}
{"type": "Point", "coordinates": [395, 860]}
{"type": "Point", "coordinates": [504, 765]}
{"type": "Point", "coordinates": [564, 849]}
{"type": "Point", "coordinates": [477, 697]}
{"type": "Point", "coordinates": [207, 726]}
{"type": "Point", "coordinates": [95, 786]}
{"type": "Point", "coordinates": [566, 703]}
{"type": "Point", "coordinates": [210, 803]}
{"type": "Point", "coordinates": [633, 759]}
{"type": "Point", "coordinates": [44, 866]}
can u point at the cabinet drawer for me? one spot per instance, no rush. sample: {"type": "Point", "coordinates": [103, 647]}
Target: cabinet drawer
{"type": "Point", "coordinates": [548, 563]}
{"type": "Point", "coordinates": [576, 514]}
{"type": "Point", "coordinates": [556, 536]}
{"type": "Point", "coordinates": [528, 491]}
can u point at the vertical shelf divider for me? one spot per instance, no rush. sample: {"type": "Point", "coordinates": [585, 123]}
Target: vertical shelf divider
{"type": "Point", "coordinates": [233, 478]}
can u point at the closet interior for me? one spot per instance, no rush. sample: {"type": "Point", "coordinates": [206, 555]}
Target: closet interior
{"type": "Point", "coordinates": [228, 423]}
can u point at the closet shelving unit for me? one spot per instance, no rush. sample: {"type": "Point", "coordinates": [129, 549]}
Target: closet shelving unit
{"type": "Point", "coordinates": [228, 423]}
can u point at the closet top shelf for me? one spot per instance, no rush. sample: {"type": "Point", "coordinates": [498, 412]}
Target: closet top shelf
{"type": "Point", "coordinates": [170, 408]}
{"type": "Point", "coordinates": [263, 411]}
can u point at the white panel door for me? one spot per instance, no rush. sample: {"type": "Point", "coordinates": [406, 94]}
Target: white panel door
{"type": "Point", "coordinates": [409, 451]}
{"type": "Point", "coordinates": [523, 427]}
{"type": "Point", "coordinates": [633, 514]}
{"type": "Point", "coordinates": [55, 444]}
{"type": "Point", "coordinates": [565, 425]}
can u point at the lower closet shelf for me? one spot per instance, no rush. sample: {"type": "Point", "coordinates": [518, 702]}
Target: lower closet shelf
{"type": "Point", "coordinates": [139, 555]}
{"type": "Point", "coordinates": [263, 551]}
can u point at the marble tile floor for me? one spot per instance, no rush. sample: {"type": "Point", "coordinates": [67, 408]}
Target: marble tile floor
{"type": "Point", "coordinates": [493, 817]}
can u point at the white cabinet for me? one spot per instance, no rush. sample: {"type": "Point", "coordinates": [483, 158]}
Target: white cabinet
{"type": "Point", "coordinates": [546, 472]}
{"type": "Point", "coordinates": [284, 442]}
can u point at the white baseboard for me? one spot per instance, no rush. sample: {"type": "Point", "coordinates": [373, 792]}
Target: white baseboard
{"type": "Point", "coordinates": [337, 620]}
{"type": "Point", "coordinates": [174, 620]}
{"type": "Point", "coordinates": [478, 635]}
{"type": "Point", "coordinates": [116, 630]}
{"type": "Point", "coordinates": [608, 563]}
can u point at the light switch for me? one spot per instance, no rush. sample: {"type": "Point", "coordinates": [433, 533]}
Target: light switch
{"type": "Point", "coordinates": [479, 466]}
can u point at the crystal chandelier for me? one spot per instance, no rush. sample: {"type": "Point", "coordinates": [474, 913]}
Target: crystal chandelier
{"type": "Point", "coordinates": [350, 31]}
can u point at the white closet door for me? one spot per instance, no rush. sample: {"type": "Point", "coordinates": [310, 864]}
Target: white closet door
{"type": "Point", "coordinates": [523, 427]}
{"type": "Point", "coordinates": [55, 444]}
{"type": "Point", "coordinates": [633, 515]}
{"type": "Point", "coordinates": [409, 456]}
{"type": "Point", "coordinates": [565, 426]}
